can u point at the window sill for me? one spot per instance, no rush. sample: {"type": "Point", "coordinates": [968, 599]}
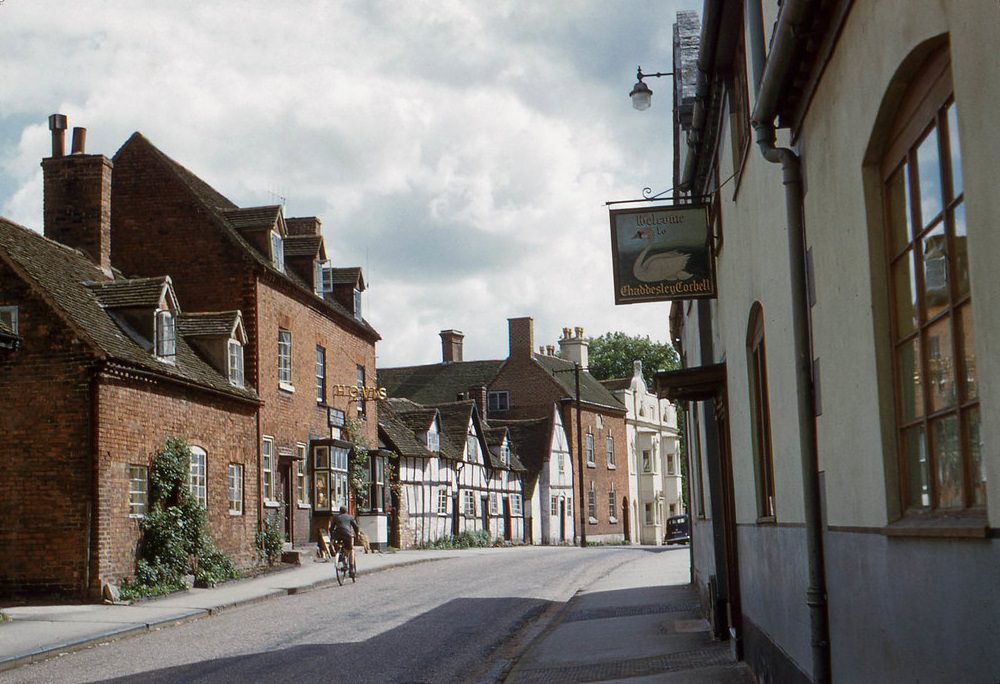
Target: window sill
{"type": "Point", "coordinates": [767, 520]}
{"type": "Point", "coordinates": [959, 526]}
{"type": "Point", "coordinates": [285, 387]}
{"type": "Point", "coordinates": [613, 521]}
{"type": "Point", "coordinates": [591, 465]}
{"type": "Point", "coordinates": [306, 505]}
{"type": "Point", "coordinates": [592, 521]}
{"type": "Point", "coordinates": [235, 514]}
{"type": "Point", "coordinates": [272, 504]}
{"type": "Point", "coordinates": [612, 466]}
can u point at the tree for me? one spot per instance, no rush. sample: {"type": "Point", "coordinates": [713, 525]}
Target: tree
{"type": "Point", "coordinates": [611, 356]}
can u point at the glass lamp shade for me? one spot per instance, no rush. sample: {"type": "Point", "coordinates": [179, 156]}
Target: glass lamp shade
{"type": "Point", "coordinates": [641, 96]}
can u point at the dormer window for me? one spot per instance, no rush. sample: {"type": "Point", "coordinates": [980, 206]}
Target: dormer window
{"type": "Point", "coordinates": [8, 317]}
{"type": "Point", "coordinates": [166, 336]}
{"type": "Point", "coordinates": [505, 453]}
{"type": "Point", "coordinates": [277, 251]}
{"type": "Point", "coordinates": [323, 278]}
{"type": "Point", "coordinates": [236, 363]}
{"type": "Point", "coordinates": [433, 438]}
{"type": "Point", "coordinates": [357, 304]}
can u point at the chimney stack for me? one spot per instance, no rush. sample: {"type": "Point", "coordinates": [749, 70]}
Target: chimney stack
{"type": "Point", "coordinates": [574, 348]}
{"type": "Point", "coordinates": [451, 346]}
{"type": "Point", "coordinates": [550, 349]}
{"type": "Point", "coordinates": [521, 338]}
{"type": "Point", "coordinates": [77, 196]}
{"type": "Point", "coordinates": [478, 394]}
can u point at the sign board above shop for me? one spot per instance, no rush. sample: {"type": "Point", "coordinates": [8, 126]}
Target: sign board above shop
{"type": "Point", "coordinates": [662, 253]}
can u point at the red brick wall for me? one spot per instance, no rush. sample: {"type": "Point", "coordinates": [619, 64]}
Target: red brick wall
{"type": "Point", "coordinates": [46, 476]}
{"type": "Point", "coordinates": [136, 418]}
{"type": "Point", "coordinates": [296, 417]}
{"type": "Point", "coordinates": [77, 203]}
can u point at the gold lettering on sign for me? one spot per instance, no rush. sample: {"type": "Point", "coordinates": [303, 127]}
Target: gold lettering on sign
{"type": "Point", "coordinates": [356, 393]}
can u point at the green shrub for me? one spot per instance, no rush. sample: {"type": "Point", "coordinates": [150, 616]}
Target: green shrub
{"type": "Point", "coordinates": [465, 540]}
{"type": "Point", "coordinates": [269, 543]}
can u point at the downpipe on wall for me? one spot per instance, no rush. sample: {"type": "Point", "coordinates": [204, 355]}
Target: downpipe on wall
{"type": "Point", "coordinates": [769, 78]}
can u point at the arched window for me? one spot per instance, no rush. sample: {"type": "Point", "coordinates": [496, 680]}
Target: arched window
{"type": "Point", "coordinates": [933, 344]}
{"type": "Point", "coordinates": [760, 414]}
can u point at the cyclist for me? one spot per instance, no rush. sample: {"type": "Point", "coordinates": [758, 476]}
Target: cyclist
{"type": "Point", "coordinates": [343, 529]}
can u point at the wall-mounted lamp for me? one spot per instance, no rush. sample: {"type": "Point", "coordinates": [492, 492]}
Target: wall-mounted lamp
{"type": "Point", "coordinates": [641, 95]}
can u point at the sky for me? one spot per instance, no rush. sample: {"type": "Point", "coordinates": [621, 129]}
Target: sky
{"type": "Point", "coordinates": [460, 151]}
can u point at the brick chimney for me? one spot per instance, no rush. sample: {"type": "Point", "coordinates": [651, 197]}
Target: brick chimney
{"type": "Point", "coordinates": [521, 334]}
{"type": "Point", "coordinates": [451, 346]}
{"type": "Point", "coordinates": [304, 225]}
{"type": "Point", "coordinates": [77, 196]}
{"type": "Point", "coordinates": [574, 348]}
{"type": "Point", "coordinates": [478, 394]}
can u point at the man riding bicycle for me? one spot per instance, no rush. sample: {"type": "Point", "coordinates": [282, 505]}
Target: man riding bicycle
{"type": "Point", "coordinates": [343, 529]}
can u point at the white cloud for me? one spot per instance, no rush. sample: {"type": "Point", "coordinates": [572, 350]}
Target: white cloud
{"type": "Point", "coordinates": [460, 151]}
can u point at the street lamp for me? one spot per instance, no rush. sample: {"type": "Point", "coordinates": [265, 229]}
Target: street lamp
{"type": "Point", "coordinates": [641, 95]}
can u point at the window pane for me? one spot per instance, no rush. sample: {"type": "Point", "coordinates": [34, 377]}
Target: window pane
{"type": "Point", "coordinates": [910, 398]}
{"type": "Point", "coordinates": [960, 262]}
{"type": "Point", "coordinates": [967, 340]}
{"type": "Point", "coordinates": [977, 469]}
{"type": "Point", "coordinates": [918, 495]}
{"type": "Point", "coordinates": [940, 365]}
{"type": "Point", "coordinates": [935, 271]}
{"type": "Point", "coordinates": [956, 151]}
{"type": "Point", "coordinates": [929, 171]}
{"type": "Point", "coordinates": [905, 289]}
{"type": "Point", "coordinates": [898, 197]}
{"type": "Point", "coordinates": [944, 434]}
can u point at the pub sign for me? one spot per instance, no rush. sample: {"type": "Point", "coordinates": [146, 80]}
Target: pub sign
{"type": "Point", "coordinates": [662, 253]}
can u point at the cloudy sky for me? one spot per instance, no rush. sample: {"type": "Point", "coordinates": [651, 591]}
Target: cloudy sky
{"type": "Point", "coordinates": [460, 151]}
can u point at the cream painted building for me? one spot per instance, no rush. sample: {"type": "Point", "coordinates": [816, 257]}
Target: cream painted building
{"type": "Point", "coordinates": [844, 473]}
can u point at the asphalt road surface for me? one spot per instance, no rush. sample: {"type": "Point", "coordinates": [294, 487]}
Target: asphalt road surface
{"type": "Point", "coordinates": [453, 620]}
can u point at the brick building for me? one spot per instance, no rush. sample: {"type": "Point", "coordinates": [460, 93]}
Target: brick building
{"type": "Point", "coordinates": [309, 347]}
{"type": "Point", "coordinates": [96, 371]}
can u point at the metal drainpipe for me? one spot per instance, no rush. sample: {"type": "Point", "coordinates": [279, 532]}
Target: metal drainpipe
{"type": "Point", "coordinates": [778, 63]}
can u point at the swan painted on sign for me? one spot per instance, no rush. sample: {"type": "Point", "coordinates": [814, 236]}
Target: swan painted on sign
{"type": "Point", "coordinates": [651, 268]}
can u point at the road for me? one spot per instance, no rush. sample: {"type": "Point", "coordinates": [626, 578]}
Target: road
{"type": "Point", "coordinates": [454, 620]}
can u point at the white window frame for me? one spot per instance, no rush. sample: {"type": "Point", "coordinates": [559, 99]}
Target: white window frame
{"type": "Point", "coordinates": [198, 475]}
{"type": "Point", "coordinates": [589, 441]}
{"type": "Point", "coordinates": [671, 464]}
{"type": "Point", "coordinates": [235, 488]}
{"type": "Point", "coordinates": [472, 447]}
{"type": "Point", "coordinates": [301, 475]}
{"type": "Point", "coordinates": [592, 502]}
{"type": "Point", "coordinates": [278, 251]}
{"type": "Point", "coordinates": [516, 507]}
{"type": "Point", "coordinates": [469, 503]}
{"type": "Point", "coordinates": [236, 376]}
{"type": "Point", "coordinates": [267, 470]}
{"type": "Point", "coordinates": [442, 501]}
{"type": "Point", "coordinates": [554, 506]}
{"type": "Point", "coordinates": [9, 314]}
{"type": "Point", "coordinates": [612, 504]}
{"type": "Point", "coordinates": [357, 303]}
{"type": "Point", "coordinates": [494, 503]}
{"type": "Point", "coordinates": [339, 494]}
{"type": "Point", "coordinates": [320, 374]}
{"type": "Point", "coordinates": [165, 332]}
{"type": "Point", "coordinates": [647, 460]}
{"type": "Point", "coordinates": [359, 379]}
{"type": "Point", "coordinates": [138, 490]}
{"type": "Point", "coordinates": [285, 359]}
{"type": "Point", "coordinates": [498, 400]}
{"type": "Point", "coordinates": [433, 438]}
{"type": "Point", "coordinates": [609, 449]}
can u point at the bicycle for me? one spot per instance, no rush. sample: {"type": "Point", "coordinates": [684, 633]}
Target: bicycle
{"type": "Point", "coordinates": [343, 563]}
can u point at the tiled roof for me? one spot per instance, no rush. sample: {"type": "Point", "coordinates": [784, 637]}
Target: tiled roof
{"type": "Point", "coordinates": [399, 421]}
{"type": "Point", "coordinates": [348, 276]}
{"type": "Point", "coordinates": [219, 324]}
{"type": "Point", "coordinates": [455, 417]}
{"type": "Point", "coordinates": [591, 391]}
{"type": "Point", "coordinates": [439, 382]}
{"type": "Point", "coordinates": [530, 440]}
{"type": "Point", "coordinates": [494, 440]}
{"type": "Point", "coordinates": [253, 218]}
{"type": "Point", "coordinates": [218, 207]}
{"type": "Point", "coordinates": [132, 293]}
{"type": "Point", "coordinates": [70, 282]}
{"type": "Point", "coordinates": [304, 245]}
{"type": "Point", "coordinates": [617, 384]}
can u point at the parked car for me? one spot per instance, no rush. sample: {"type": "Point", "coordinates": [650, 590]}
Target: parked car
{"type": "Point", "coordinates": [678, 530]}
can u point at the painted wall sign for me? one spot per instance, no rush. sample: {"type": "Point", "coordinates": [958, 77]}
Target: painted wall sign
{"type": "Point", "coordinates": [359, 393]}
{"type": "Point", "coordinates": [662, 253]}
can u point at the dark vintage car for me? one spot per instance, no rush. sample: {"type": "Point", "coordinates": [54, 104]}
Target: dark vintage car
{"type": "Point", "coordinates": [678, 530]}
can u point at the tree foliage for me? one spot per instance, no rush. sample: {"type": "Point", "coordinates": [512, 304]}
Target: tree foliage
{"type": "Point", "coordinates": [611, 356]}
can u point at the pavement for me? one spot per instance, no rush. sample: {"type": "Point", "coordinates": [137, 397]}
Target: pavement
{"type": "Point", "coordinates": [638, 623]}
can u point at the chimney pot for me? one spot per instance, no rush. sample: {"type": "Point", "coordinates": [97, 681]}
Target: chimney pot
{"type": "Point", "coordinates": [579, 331]}
{"type": "Point", "coordinates": [79, 140]}
{"type": "Point", "coordinates": [57, 124]}
{"type": "Point", "coordinates": [451, 346]}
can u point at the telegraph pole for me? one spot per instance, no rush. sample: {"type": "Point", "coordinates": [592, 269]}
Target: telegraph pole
{"type": "Point", "coordinates": [579, 458]}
